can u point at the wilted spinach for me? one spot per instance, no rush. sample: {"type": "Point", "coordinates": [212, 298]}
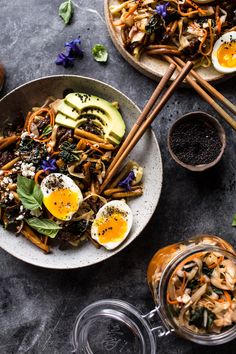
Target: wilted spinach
{"type": "Point", "coordinates": [67, 152]}
{"type": "Point", "coordinates": [197, 317]}
{"type": "Point", "coordinates": [193, 284]}
{"type": "Point", "coordinates": [207, 270]}
{"type": "Point", "coordinates": [155, 24]}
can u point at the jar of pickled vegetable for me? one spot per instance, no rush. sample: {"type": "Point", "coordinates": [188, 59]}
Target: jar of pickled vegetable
{"type": "Point", "coordinates": [194, 289]}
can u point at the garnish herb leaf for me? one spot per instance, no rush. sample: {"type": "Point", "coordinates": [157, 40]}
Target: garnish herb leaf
{"type": "Point", "coordinates": [66, 11]}
{"type": "Point", "coordinates": [29, 193]}
{"type": "Point", "coordinates": [47, 130]}
{"type": "Point", "coordinates": [44, 226]}
{"type": "Point", "coordinates": [100, 53]}
{"type": "Point", "coordinates": [234, 220]}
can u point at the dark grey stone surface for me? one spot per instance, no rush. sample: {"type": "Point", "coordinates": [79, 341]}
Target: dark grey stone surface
{"type": "Point", "coordinates": [38, 307]}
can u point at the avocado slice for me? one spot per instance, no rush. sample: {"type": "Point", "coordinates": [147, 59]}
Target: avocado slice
{"type": "Point", "coordinates": [67, 110]}
{"type": "Point", "coordinates": [104, 109]}
{"type": "Point", "coordinates": [65, 121]}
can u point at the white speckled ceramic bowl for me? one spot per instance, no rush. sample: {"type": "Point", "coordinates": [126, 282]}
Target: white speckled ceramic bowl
{"type": "Point", "coordinates": [146, 152]}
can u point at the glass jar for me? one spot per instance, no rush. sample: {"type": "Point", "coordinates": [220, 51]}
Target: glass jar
{"type": "Point", "coordinates": [114, 326]}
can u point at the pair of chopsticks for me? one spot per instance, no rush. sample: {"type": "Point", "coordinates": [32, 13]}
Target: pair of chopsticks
{"type": "Point", "coordinates": [146, 117]}
{"type": "Point", "coordinates": [208, 87]}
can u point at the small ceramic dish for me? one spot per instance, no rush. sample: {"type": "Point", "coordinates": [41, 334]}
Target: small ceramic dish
{"type": "Point", "coordinates": [213, 122]}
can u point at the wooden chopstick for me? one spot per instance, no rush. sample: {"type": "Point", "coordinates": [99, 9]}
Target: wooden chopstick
{"type": "Point", "coordinates": [147, 122]}
{"type": "Point", "coordinates": [205, 96]}
{"type": "Point", "coordinates": [160, 87]}
{"type": "Point", "coordinates": [209, 87]}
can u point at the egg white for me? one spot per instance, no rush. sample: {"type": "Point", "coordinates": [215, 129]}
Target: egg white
{"type": "Point", "coordinates": [227, 37]}
{"type": "Point", "coordinates": [104, 211]}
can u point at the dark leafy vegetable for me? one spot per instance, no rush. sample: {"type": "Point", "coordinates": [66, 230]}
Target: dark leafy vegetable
{"type": "Point", "coordinates": [207, 270]}
{"type": "Point", "coordinates": [197, 317]}
{"type": "Point", "coordinates": [44, 226]}
{"type": "Point", "coordinates": [193, 284]}
{"type": "Point", "coordinates": [66, 11]}
{"type": "Point", "coordinates": [67, 152]}
{"type": "Point", "coordinates": [174, 311]}
{"type": "Point", "coordinates": [217, 290]}
{"type": "Point", "coordinates": [29, 193]}
{"type": "Point", "coordinates": [155, 24]}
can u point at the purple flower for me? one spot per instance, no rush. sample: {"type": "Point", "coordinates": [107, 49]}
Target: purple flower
{"type": "Point", "coordinates": [126, 183]}
{"type": "Point", "coordinates": [74, 48]}
{"type": "Point", "coordinates": [64, 59]}
{"type": "Point", "coordinates": [49, 165]}
{"type": "Point", "coordinates": [162, 9]}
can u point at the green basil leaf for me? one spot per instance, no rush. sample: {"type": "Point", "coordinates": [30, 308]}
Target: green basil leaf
{"type": "Point", "coordinates": [100, 53]}
{"type": "Point", "coordinates": [234, 220]}
{"type": "Point", "coordinates": [66, 11]}
{"type": "Point", "coordinates": [30, 194]}
{"type": "Point", "coordinates": [44, 226]}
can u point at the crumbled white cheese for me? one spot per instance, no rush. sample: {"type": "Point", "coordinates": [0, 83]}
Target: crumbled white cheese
{"type": "Point", "coordinates": [7, 180]}
{"type": "Point", "coordinates": [20, 217]}
{"type": "Point", "coordinates": [1, 172]}
{"type": "Point", "coordinates": [27, 169]}
{"type": "Point", "coordinates": [11, 196]}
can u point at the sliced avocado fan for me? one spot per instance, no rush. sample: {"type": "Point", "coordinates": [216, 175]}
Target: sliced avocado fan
{"type": "Point", "coordinates": [91, 113]}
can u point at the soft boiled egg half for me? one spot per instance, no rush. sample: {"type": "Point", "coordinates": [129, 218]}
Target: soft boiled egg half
{"type": "Point", "coordinates": [61, 196]}
{"type": "Point", "coordinates": [112, 224]}
{"type": "Point", "coordinates": [224, 53]}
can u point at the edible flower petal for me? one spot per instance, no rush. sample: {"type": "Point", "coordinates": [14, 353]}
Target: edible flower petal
{"type": "Point", "coordinates": [65, 60]}
{"type": "Point", "coordinates": [162, 9]}
{"type": "Point", "coordinates": [49, 165]}
{"type": "Point", "coordinates": [74, 48]}
{"type": "Point", "coordinates": [126, 183]}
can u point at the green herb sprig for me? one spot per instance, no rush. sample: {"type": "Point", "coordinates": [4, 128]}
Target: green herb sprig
{"type": "Point", "coordinates": [29, 193]}
{"type": "Point", "coordinates": [44, 226]}
{"type": "Point", "coordinates": [66, 11]}
{"type": "Point", "coordinates": [100, 53]}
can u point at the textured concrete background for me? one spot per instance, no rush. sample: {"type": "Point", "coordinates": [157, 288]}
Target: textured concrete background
{"type": "Point", "coordinates": [38, 307]}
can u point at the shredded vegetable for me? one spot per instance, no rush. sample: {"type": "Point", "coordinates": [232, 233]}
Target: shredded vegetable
{"type": "Point", "coordinates": [188, 27]}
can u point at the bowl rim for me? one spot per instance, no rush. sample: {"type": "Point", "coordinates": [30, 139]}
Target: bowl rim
{"type": "Point", "coordinates": [125, 245]}
{"type": "Point", "coordinates": [220, 130]}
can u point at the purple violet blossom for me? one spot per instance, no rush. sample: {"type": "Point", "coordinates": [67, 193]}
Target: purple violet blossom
{"type": "Point", "coordinates": [162, 9]}
{"type": "Point", "coordinates": [74, 48]}
{"type": "Point", "coordinates": [65, 60]}
{"type": "Point", "coordinates": [126, 183]}
{"type": "Point", "coordinates": [73, 51]}
{"type": "Point", "coordinates": [49, 165]}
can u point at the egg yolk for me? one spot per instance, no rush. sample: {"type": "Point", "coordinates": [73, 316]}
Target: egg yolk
{"type": "Point", "coordinates": [227, 54]}
{"type": "Point", "coordinates": [62, 203]}
{"type": "Point", "coordinates": [111, 228]}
